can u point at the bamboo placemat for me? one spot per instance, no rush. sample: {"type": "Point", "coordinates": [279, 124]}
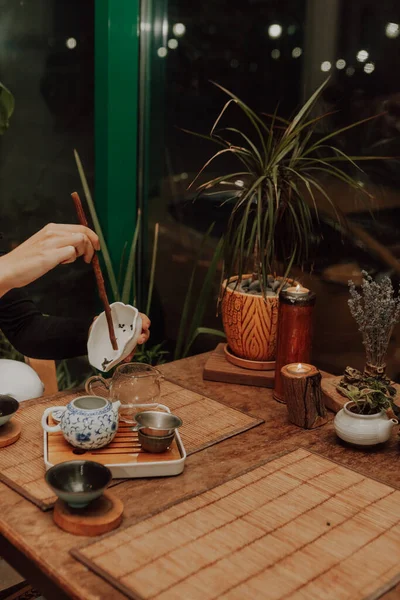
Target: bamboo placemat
{"type": "Point", "coordinates": [297, 527]}
{"type": "Point", "coordinates": [205, 422]}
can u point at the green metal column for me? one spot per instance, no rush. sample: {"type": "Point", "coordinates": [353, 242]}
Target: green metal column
{"type": "Point", "coordinates": [152, 109]}
{"type": "Point", "coordinates": [116, 120]}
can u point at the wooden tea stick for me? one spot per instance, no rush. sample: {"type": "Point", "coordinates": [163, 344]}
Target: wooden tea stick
{"type": "Point", "coordinates": [98, 274]}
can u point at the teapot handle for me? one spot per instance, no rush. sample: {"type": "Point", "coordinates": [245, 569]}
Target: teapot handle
{"type": "Point", "coordinates": [99, 379]}
{"type": "Point", "coordinates": [160, 376]}
{"type": "Point", "coordinates": [48, 412]}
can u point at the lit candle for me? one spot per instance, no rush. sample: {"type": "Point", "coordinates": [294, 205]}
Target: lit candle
{"type": "Point", "coordinates": [299, 369]}
{"type": "Point", "coordinates": [298, 291]}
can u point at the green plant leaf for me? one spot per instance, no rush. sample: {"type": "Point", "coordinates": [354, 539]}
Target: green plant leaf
{"type": "Point", "coordinates": [218, 180]}
{"type": "Point", "coordinates": [203, 298]}
{"type": "Point", "coordinates": [244, 107]}
{"type": "Point", "coordinates": [203, 331]}
{"type": "Point", "coordinates": [256, 121]}
{"type": "Point", "coordinates": [129, 277]}
{"type": "Point", "coordinates": [182, 332]}
{"type": "Point", "coordinates": [216, 155]}
{"type": "Point", "coordinates": [121, 265]}
{"type": "Point", "coordinates": [305, 109]}
{"type": "Point", "coordinates": [7, 105]}
{"type": "Point", "coordinates": [152, 269]}
{"type": "Point", "coordinates": [250, 143]}
{"type": "Point", "coordinates": [285, 167]}
{"type": "Point", "coordinates": [221, 115]}
{"type": "Point", "coordinates": [318, 144]}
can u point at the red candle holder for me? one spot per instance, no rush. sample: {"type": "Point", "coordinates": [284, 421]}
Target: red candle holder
{"type": "Point", "coordinates": [295, 324]}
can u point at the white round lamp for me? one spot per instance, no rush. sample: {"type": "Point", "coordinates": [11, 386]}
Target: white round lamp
{"type": "Point", "coordinates": [19, 380]}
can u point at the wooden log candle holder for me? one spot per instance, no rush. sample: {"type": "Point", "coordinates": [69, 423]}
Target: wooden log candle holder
{"type": "Point", "coordinates": [296, 306]}
{"type": "Point", "coordinates": [303, 395]}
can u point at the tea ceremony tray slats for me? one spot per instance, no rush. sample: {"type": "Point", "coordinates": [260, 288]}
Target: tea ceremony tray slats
{"type": "Point", "coordinates": [124, 455]}
{"type": "Point", "coordinates": [297, 527]}
{"type": "Point", "coordinates": [22, 464]}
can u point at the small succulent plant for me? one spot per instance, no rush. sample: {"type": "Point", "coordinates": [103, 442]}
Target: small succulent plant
{"type": "Point", "coordinates": [370, 395]}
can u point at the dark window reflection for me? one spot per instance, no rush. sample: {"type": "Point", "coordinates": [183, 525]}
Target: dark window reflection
{"type": "Point", "coordinates": [273, 54]}
{"type": "Point", "coordinates": [47, 60]}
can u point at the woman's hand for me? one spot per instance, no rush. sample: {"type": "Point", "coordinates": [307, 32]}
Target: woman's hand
{"type": "Point", "coordinates": [53, 245]}
{"type": "Point", "coordinates": [144, 336]}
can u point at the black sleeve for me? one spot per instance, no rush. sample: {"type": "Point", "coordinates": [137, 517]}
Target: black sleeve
{"type": "Point", "coordinates": [39, 336]}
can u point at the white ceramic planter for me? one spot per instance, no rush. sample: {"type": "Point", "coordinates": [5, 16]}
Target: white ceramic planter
{"type": "Point", "coordinates": [363, 430]}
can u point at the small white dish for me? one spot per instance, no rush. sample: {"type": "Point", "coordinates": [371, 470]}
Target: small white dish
{"type": "Point", "coordinates": [127, 326]}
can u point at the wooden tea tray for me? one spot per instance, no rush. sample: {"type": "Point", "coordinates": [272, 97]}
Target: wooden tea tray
{"type": "Point", "coordinates": [123, 456]}
{"type": "Point", "coordinates": [299, 527]}
{"type": "Point", "coordinates": [22, 466]}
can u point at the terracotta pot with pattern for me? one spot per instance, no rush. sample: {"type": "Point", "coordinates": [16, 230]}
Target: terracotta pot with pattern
{"type": "Point", "coordinates": [250, 323]}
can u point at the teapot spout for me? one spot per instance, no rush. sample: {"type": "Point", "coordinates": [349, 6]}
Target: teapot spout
{"type": "Point", "coordinates": [385, 428]}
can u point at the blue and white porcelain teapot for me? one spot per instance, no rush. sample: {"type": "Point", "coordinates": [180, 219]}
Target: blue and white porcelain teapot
{"type": "Point", "coordinates": [88, 422]}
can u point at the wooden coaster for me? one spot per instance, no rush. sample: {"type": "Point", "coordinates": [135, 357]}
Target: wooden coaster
{"type": "Point", "coordinates": [334, 399]}
{"type": "Point", "coordinates": [217, 368]}
{"type": "Point", "coordinates": [100, 516]}
{"type": "Point", "coordinates": [9, 433]}
{"type": "Point", "coordinates": [254, 365]}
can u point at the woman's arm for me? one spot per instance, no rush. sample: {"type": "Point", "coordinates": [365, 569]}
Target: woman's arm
{"type": "Point", "coordinates": [32, 333]}
{"type": "Point", "coordinates": [39, 336]}
{"type": "Point", "coordinates": [51, 246]}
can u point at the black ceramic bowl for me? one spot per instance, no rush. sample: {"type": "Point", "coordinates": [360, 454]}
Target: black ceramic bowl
{"type": "Point", "coordinates": [8, 406]}
{"type": "Point", "coordinates": [78, 482]}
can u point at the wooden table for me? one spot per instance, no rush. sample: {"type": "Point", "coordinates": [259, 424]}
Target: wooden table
{"type": "Point", "coordinates": [31, 542]}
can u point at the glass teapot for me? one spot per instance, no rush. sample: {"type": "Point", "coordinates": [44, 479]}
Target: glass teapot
{"type": "Point", "coordinates": [133, 384]}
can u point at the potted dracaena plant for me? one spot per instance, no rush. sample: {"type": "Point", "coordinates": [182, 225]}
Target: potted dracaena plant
{"type": "Point", "coordinates": [363, 420]}
{"type": "Point", "coordinates": [281, 169]}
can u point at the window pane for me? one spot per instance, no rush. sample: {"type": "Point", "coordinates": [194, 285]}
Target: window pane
{"type": "Point", "coordinates": [46, 60]}
{"type": "Point", "coordinates": [273, 55]}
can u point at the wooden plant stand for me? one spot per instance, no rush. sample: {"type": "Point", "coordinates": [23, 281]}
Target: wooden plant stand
{"type": "Point", "coordinates": [334, 400]}
{"type": "Point", "coordinates": [218, 368]}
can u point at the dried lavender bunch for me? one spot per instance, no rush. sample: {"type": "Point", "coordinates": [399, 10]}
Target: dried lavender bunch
{"type": "Point", "coordinates": [376, 312]}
